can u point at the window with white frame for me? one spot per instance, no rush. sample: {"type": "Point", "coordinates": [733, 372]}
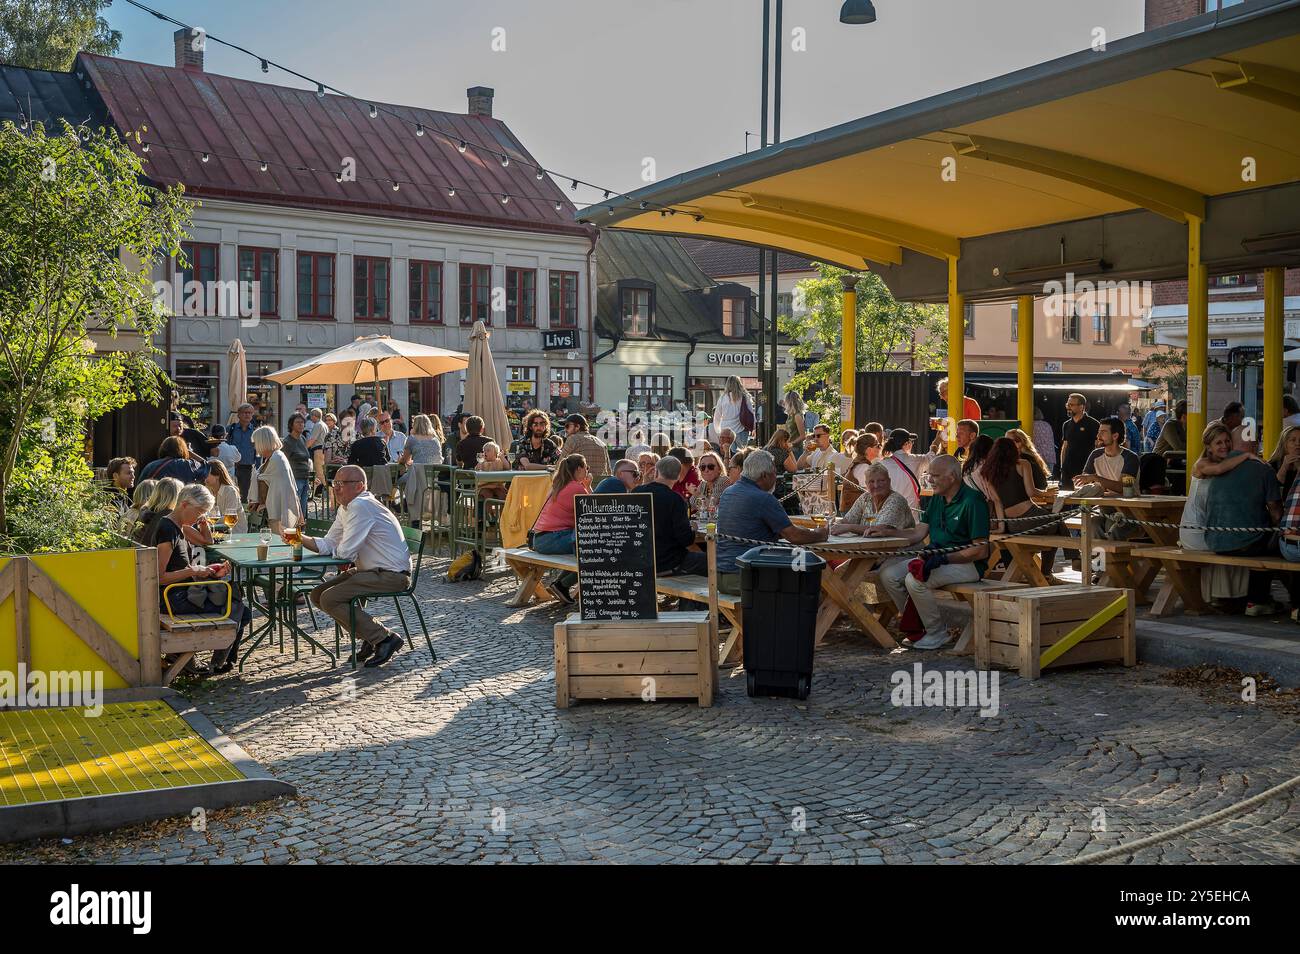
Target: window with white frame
{"type": "Point", "coordinates": [1070, 323]}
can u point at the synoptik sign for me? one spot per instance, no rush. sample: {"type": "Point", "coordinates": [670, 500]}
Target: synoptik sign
{"type": "Point", "coordinates": [732, 358]}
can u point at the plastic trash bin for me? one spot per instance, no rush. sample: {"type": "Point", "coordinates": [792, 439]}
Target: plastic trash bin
{"type": "Point", "coordinates": [780, 591]}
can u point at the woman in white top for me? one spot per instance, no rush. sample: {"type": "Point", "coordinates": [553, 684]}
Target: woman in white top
{"type": "Point", "coordinates": [276, 490]}
{"type": "Point", "coordinates": [1218, 581]}
{"type": "Point", "coordinates": [225, 494]}
{"type": "Point", "coordinates": [727, 412]}
{"type": "Point", "coordinates": [905, 468]}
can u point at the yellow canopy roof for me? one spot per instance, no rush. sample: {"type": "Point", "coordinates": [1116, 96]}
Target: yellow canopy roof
{"type": "Point", "coordinates": [1159, 121]}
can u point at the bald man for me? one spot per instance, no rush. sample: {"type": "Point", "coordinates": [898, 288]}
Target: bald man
{"type": "Point", "coordinates": [956, 519]}
{"type": "Point", "coordinates": [366, 533]}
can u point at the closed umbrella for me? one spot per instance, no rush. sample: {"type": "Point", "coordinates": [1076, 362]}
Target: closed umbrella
{"type": "Point", "coordinates": [371, 359]}
{"type": "Point", "coordinates": [483, 389]}
{"type": "Point", "coordinates": [237, 380]}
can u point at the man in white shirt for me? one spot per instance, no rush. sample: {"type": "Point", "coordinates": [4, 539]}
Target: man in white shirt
{"type": "Point", "coordinates": [367, 533]}
{"type": "Point", "coordinates": [395, 440]}
{"type": "Point", "coordinates": [822, 453]}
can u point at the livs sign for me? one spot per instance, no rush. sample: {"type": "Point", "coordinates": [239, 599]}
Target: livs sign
{"type": "Point", "coordinates": [564, 339]}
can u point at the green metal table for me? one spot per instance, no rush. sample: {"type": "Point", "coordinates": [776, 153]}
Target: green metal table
{"type": "Point", "coordinates": [280, 606]}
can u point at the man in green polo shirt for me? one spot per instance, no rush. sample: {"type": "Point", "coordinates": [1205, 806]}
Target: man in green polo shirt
{"type": "Point", "coordinates": [956, 516]}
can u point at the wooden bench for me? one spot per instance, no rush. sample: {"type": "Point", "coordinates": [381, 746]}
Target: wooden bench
{"type": "Point", "coordinates": [697, 588]}
{"type": "Point", "coordinates": [1183, 575]}
{"type": "Point", "coordinates": [183, 638]}
{"type": "Point", "coordinates": [1025, 565]}
{"type": "Point", "coordinates": [530, 566]}
{"type": "Point", "coordinates": [966, 593]}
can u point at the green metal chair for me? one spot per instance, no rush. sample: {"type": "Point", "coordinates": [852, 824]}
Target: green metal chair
{"type": "Point", "coordinates": [466, 528]}
{"type": "Point", "coordinates": [415, 543]}
{"type": "Point", "coordinates": [438, 525]}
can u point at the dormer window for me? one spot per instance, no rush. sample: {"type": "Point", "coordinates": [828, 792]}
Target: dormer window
{"type": "Point", "coordinates": [638, 311]}
{"type": "Point", "coordinates": [735, 317]}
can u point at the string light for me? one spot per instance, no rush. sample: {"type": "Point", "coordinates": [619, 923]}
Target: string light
{"type": "Point", "coordinates": [557, 207]}
{"type": "Point", "coordinates": [143, 148]}
{"type": "Point", "coordinates": [461, 144]}
{"type": "Point", "coordinates": [338, 177]}
{"type": "Point", "coordinates": [204, 158]}
{"type": "Point", "coordinates": [451, 193]}
{"type": "Point", "coordinates": [396, 185]}
{"type": "Point", "coordinates": [264, 166]}
{"type": "Point", "coordinates": [540, 175]}
{"type": "Point", "coordinates": [505, 200]}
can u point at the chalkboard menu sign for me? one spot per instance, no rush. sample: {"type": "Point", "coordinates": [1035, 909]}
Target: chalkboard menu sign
{"type": "Point", "coordinates": [616, 556]}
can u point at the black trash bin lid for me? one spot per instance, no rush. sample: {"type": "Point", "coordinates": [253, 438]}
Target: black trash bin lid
{"type": "Point", "coordinates": [778, 557]}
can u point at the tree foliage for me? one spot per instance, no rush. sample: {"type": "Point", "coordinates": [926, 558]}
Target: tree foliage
{"type": "Point", "coordinates": [891, 335]}
{"type": "Point", "coordinates": [78, 232]}
{"type": "Point", "coordinates": [48, 34]}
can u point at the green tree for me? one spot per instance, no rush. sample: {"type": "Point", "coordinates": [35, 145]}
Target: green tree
{"type": "Point", "coordinates": [48, 34]}
{"type": "Point", "coordinates": [79, 230]}
{"type": "Point", "coordinates": [892, 335]}
{"type": "Point", "coordinates": [1166, 367]}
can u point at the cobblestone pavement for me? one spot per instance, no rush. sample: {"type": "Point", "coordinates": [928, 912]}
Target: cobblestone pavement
{"type": "Point", "coordinates": [469, 760]}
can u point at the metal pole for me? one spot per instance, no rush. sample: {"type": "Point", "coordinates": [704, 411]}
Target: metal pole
{"type": "Point", "coordinates": [1198, 328]}
{"type": "Point", "coordinates": [1025, 363]}
{"type": "Point", "coordinates": [848, 349]}
{"type": "Point", "coordinates": [769, 412]}
{"type": "Point", "coordinates": [1274, 330]}
{"type": "Point", "coordinates": [956, 356]}
{"type": "Point", "coordinates": [762, 253]}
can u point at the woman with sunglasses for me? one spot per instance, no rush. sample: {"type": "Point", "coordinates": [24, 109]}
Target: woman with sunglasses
{"type": "Point", "coordinates": [713, 482]}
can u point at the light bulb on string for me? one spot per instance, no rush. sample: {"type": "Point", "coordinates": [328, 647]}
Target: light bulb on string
{"type": "Point", "coordinates": [204, 158]}
{"type": "Point", "coordinates": [540, 174]}
{"type": "Point", "coordinates": [451, 193]}
{"type": "Point", "coordinates": [505, 161]}
{"type": "Point", "coordinates": [396, 185]}
{"type": "Point", "coordinates": [574, 185]}
{"type": "Point", "coordinates": [461, 146]}
{"type": "Point", "coordinates": [374, 112]}
{"type": "Point", "coordinates": [505, 200]}
{"type": "Point", "coordinates": [263, 166]}
{"type": "Point", "coordinates": [320, 91]}
{"type": "Point", "coordinates": [419, 129]}
{"type": "Point", "coordinates": [266, 67]}
{"type": "Point", "coordinates": [144, 147]}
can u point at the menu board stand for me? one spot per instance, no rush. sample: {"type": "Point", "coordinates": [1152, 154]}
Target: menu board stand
{"type": "Point", "coordinates": [616, 556]}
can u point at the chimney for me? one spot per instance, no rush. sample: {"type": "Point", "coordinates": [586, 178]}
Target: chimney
{"type": "Point", "coordinates": [187, 56]}
{"type": "Point", "coordinates": [480, 100]}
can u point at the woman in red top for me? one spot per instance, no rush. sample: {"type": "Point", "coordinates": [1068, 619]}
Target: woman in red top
{"type": "Point", "coordinates": [554, 531]}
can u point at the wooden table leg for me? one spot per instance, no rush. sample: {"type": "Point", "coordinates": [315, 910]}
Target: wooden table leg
{"type": "Point", "coordinates": [1025, 557]}
{"type": "Point", "coordinates": [530, 578]}
{"type": "Point", "coordinates": [733, 650]}
{"type": "Point", "coordinates": [841, 589]}
{"type": "Point", "coordinates": [1187, 586]}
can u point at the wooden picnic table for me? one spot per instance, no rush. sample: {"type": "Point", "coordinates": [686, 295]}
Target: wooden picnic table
{"type": "Point", "coordinates": [1161, 508]}
{"type": "Point", "coordinates": [840, 584]}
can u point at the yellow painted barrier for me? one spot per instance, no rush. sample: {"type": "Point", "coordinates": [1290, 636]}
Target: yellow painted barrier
{"type": "Point", "coordinates": [89, 611]}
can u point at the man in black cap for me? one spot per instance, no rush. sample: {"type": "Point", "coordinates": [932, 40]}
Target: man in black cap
{"type": "Point", "coordinates": [196, 441]}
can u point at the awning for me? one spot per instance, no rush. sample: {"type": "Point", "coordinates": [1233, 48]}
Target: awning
{"type": "Point", "coordinates": [1157, 123]}
{"type": "Point", "coordinates": [1082, 386]}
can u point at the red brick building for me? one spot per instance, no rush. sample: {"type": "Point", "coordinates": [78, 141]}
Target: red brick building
{"type": "Point", "coordinates": [1236, 300]}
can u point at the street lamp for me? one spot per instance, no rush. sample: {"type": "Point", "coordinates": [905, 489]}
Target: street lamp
{"type": "Point", "coordinates": [852, 12]}
{"type": "Point", "coordinates": [857, 11]}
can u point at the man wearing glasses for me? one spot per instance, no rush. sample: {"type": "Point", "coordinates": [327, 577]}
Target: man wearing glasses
{"type": "Point", "coordinates": [623, 481]}
{"type": "Point", "coordinates": [366, 533]}
{"type": "Point", "coordinates": [395, 440]}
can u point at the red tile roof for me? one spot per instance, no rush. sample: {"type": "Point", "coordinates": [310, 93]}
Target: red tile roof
{"type": "Point", "coordinates": [291, 128]}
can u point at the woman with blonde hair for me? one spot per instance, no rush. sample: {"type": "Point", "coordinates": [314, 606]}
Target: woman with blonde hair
{"type": "Point", "coordinates": [799, 420]}
{"type": "Point", "coordinates": [225, 497]}
{"type": "Point", "coordinates": [276, 491]}
{"type": "Point", "coordinates": [1029, 453]}
{"type": "Point", "coordinates": [160, 503]}
{"type": "Point", "coordinates": [734, 411]}
{"type": "Point", "coordinates": [1286, 459]}
{"type": "Point", "coordinates": [139, 498]}
{"type": "Point", "coordinates": [713, 481]}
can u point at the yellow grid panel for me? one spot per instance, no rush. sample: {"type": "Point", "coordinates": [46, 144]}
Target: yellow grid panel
{"type": "Point", "coordinates": [54, 754]}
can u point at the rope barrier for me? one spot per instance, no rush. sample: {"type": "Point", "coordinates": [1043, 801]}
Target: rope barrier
{"type": "Point", "coordinates": [1211, 819]}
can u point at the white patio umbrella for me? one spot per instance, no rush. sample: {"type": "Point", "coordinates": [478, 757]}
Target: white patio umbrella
{"type": "Point", "coordinates": [371, 359]}
{"type": "Point", "coordinates": [483, 389]}
{"type": "Point", "coordinates": [237, 377]}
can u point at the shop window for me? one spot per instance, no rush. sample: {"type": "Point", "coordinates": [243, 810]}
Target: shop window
{"type": "Point", "coordinates": [263, 393]}
{"type": "Point", "coordinates": [198, 391]}
{"type": "Point", "coordinates": [566, 390]}
{"type": "Point", "coordinates": [650, 392]}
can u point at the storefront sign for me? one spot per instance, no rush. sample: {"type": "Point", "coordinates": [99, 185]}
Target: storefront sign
{"type": "Point", "coordinates": [1218, 342]}
{"type": "Point", "coordinates": [520, 387]}
{"type": "Point", "coordinates": [737, 358]}
{"type": "Point", "coordinates": [563, 339]}
{"type": "Point", "coordinates": [1051, 366]}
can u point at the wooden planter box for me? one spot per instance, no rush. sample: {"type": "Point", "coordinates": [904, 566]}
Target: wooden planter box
{"type": "Point", "coordinates": [95, 610]}
{"type": "Point", "coordinates": [674, 657]}
{"type": "Point", "coordinates": [1015, 628]}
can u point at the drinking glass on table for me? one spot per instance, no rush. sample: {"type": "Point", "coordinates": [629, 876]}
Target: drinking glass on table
{"type": "Point", "coordinates": [230, 517]}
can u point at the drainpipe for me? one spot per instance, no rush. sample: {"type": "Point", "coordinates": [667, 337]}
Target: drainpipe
{"type": "Point", "coordinates": [591, 327]}
{"type": "Point", "coordinates": [686, 380]}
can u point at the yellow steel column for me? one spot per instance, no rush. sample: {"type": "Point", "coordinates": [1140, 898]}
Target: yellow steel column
{"type": "Point", "coordinates": [1025, 364]}
{"type": "Point", "coordinates": [848, 349]}
{"type": "Point", "coordinates": [956, 356]}
{"type": "Point", "coordinates": [1198, 333]}
{"type": "Point", "coordinates": [1274, 332]}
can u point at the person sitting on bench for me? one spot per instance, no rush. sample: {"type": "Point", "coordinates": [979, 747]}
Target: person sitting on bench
{"type": "Point", "coordinates": [956, 516]}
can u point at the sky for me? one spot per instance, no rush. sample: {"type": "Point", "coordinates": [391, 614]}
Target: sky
{"type": "Point", "coordinates": [594, 88]}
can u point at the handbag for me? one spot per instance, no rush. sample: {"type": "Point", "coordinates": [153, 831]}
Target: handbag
{"type": "Point", "coordinates": [746, 415]}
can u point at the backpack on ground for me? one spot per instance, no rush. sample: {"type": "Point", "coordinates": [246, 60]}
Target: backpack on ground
{"type": "Point", "coordinates": [467, 566]}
